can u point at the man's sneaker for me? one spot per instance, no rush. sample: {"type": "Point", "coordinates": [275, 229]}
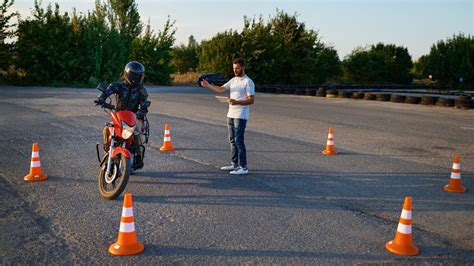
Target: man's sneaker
{"type": "Point", "coordinates": [229, 168]}
{"type": "Point", "coordinates": [240, 171]}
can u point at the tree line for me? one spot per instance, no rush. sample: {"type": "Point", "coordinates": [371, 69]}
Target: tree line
{"type": "Point", "coordinates": [54, 48]}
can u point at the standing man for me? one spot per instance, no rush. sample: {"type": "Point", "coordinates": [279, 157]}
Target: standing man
{"type": "Point", "coordinates": [242, 94]}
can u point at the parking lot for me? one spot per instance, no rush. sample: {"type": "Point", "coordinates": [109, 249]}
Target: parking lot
{"type": "Point", "coordinates": [296, 205]}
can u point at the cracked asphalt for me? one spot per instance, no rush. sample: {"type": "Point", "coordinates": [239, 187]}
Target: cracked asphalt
{"type": "Point", "coordinates": [296, 206]}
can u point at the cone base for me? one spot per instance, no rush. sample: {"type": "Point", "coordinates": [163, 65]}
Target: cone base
{"type": "Point", "coordinates": [329, 152]}
{"type": "Point", "coordinates": [167, 148]}
{"type": "Point", "coordinates": [403, 250]}
{"type": "Point", "coordinates": [36, 177]}
{"type": "Point", "coordinates": [455, 189]}
{"type": "Point", "coordinates": [124, 250]}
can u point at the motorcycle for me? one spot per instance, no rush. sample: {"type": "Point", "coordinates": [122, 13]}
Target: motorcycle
{"type": "Point", "coordinates": [117, 164]}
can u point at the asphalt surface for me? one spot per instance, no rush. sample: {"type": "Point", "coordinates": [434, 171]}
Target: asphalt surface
{"type": "Point", "coordinates": [296, 206]}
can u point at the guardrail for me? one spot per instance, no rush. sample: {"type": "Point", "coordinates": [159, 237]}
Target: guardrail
{"type": "Point", "coordinates": [412, 94]}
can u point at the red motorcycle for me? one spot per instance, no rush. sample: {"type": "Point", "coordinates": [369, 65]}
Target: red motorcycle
{"type": "Point", "coordinates": [116, 165]}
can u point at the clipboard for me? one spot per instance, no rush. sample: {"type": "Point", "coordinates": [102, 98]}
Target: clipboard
{"type": "Point", "coordinates": [222, 99]}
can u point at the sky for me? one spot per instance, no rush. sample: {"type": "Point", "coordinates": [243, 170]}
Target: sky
{"type": "Point", "coordinates": [343, 24]}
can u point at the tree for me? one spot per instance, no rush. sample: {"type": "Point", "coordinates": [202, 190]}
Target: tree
{"type": "Point", "coordinates": [185, 57]}
{"type": "Point", "coordinates": [124, 18]}
{"type": "Point", "coordinates": [154, 51]}
{"type": "Point", "coordinates": [6, 32]}
{"type": "Point", "coordinates": [281, 51]}
{"type": "Point", "coordinates": [450, 60]}
{"type": "Point", "coordinates": [379, 64]}
{"type": "Point", "coordinates": [217, 54]}
{"type": "Point", "coordinates": [44, 42]}
{"type": "Point", "coordinates": [419, 67]}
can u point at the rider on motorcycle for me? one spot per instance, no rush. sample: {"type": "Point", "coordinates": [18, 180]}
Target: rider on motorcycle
{"type": "Point", "coordinates": [132, 96]}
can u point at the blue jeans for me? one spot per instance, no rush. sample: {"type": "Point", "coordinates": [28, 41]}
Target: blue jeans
{"type": "Point", "coordinates": [236, 128]}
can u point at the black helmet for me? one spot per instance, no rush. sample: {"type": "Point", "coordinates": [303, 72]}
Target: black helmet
{"type": "Point", "coordinates": [134, 73]}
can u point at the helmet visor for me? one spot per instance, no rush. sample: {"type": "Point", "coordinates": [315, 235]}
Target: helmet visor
{"type": "Point", "coordinates": [134, 78]}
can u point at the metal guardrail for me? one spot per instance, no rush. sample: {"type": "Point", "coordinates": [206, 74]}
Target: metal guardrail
{"type": "Point", "coordinates": [414, 94]}
{"type": "Point", "coordinates": [435, 89]}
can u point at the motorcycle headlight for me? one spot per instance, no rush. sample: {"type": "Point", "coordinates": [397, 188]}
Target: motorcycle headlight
{"type": "Point", "coordinates": [127, 131]}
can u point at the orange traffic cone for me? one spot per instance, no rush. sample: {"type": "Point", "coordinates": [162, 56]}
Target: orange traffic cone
{"type": "Point", "coordinates": [330, 144]}
{"type": "Point", "coordinates": [167, 145]}
{"type": "Point", "coordinates": [455, 180]}
{"type": "Point", "coordinates": [36, 172]}
{"type": "Point", "coordinates": [127, 243]}
{"type": "Point", "coordinates": [403, 243]}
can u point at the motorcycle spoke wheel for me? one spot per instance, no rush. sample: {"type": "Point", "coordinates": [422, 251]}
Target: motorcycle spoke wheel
{"type": "Point", "coordinates": [112, 186]}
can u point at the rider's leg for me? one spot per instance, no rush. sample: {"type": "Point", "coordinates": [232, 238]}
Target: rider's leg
{"type": "Point", "coordinates": [106, 139]}
{"type": "Point", "coordinates": [138, 140]}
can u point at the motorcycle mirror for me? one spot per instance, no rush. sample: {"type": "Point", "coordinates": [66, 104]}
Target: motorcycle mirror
{"type": "Point", "coordinates": [147, 103]}
{"type": "Point", "coordinates": [102, 87]}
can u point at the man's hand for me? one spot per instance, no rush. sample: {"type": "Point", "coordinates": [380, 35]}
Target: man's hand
{"type": "Point", "coordinates": [232, 102]}
{"type": "Point", "coordinates": [205, 83]}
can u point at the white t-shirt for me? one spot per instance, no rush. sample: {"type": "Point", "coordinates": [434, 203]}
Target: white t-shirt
{"type": "Point", "coordinates": [240, 88]}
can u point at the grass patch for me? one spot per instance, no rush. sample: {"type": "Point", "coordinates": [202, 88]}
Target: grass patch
{"type": "Point", "coordinates": [188, 78]}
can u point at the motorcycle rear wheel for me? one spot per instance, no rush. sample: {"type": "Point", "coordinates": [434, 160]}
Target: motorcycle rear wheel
{"type": "Point", "coordinates": [121, 170]}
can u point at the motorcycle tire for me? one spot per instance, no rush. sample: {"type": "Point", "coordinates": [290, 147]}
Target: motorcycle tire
{"type": "Point", "coordinates": [115, 188]}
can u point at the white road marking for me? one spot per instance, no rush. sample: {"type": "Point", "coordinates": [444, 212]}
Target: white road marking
{"type": "Point", "coordinates": [468, 128]}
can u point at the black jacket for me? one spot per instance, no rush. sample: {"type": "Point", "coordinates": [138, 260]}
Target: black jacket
{"type": "Point", "coordinates": [127, 98]}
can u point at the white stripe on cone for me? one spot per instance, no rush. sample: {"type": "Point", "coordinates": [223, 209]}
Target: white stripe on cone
{"type": "Point", "coordinates": [167, 139]}
{"type": "Point", "coordinates": [330, 136]}
{"type": "Point", "coordinates": [35, 154]}
{"type": "Point", "coordinates": [167, 132]}
{"type": "Point", "coordinates": [455, 175]}
{"type": "Point", "coordinates": [404, 229]}
{"type": "Point", "coordinates": [127, 227]}
{"type": "Point", "coordinates": [127, 212]}
{"type": "Point", "coordinates": [456, 166]}
{"type": "Point", "coordinates": [35, 164]}
{"type": "Point", "coordinates": [330, 142]}
{"type": "Point", "coordinates": [406, 215]}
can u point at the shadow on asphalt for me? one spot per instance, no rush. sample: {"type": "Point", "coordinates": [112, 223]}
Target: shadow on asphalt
{"type": "Point", "coordinates": [152, 250]}
{"type": "Point", "coordinates": [313, 190]}
{"type": "Point", "coordinates": [426, 253]}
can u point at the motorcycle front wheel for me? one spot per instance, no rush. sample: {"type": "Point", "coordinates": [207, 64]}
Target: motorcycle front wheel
{"type": "Point", "coordinates": [112, 185]}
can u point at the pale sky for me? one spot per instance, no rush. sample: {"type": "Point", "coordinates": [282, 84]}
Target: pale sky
{"type": "Point", "coordinates": [344, 24]}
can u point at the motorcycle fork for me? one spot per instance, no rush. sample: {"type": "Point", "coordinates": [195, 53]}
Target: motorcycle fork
{"type": "Point", "coordinates": [109, 161]}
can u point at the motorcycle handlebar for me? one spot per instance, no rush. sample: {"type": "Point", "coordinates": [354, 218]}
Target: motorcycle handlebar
{"type": "Point", "coordinates": [108, 106]}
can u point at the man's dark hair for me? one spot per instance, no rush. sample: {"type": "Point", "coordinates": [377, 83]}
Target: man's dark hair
{"type": "Point", "coordinates": [239, 61]}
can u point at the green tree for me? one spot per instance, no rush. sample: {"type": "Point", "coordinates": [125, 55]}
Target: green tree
{"type": "Point", "coordinates": [452, 59]}
{"type": "Point", "coordinates": [217, 54]}
{"type": "Point", "coordinates": [185, 57]}
{"type": "Point", "coordinates": [5, 33]}
{"type": "Point", "coordinates": [379, 64]}
{"type": "Point", "coordinates": [259, 49]}
{"type": "Point", "coordinates": [280, 51]}
{"type": "Point", "coordinates": [419, 67]}
{"type": "Point", "coordinates": [154, 51]}
{"type": "Point", "coordinates": [124, 18]}
{"type": "Point", "coordinates": [44, 44]}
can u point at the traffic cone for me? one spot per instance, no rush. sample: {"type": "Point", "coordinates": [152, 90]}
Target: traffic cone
{"type": "Point", "coordinates": [36, 171]}
{"type": "Point", "coordinates": [330, 144]}
{"type": "Point", "coordinates": [403, 243]}
{"type": "Point", "coordinates": [455, 180]}
{"type": "Point", "coordinates": [127, 243]}
{"type": "Point", "coordinates": [167, 145]}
